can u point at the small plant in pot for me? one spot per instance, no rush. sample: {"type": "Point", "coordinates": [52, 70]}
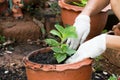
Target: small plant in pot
{"type": "Point", "coordinates": [45, 70]}
{"type": "Point", "coordinates": [61, 50]}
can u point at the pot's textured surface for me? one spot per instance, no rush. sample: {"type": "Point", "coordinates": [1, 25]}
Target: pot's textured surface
{"type": "Point", "coordinates": [70, 12]}
{"type": "Point", "coordinates": [76, 71]}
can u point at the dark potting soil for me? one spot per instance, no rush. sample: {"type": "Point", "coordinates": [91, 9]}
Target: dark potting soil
{"type": "Point", "coordinates": [43, 58]}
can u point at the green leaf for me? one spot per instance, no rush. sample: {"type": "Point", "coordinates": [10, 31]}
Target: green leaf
{"type": "Point", "coordinates": [57, 50]}
{"type": "Point", "coordinates": [67, 50]}
{"type": "Point", "coordinates": [2, 39]}
{"type": "Point", "coordinates": [70, 51]}
{"type": "Point", "coordinates": [52, 42]}
{"type": "Point", "coordinates": [60, 57]}
{"type": "Point", "coordinates": [113, 77]}
{"type": "Point", "coordinates": [55, 32]}
{"type": "Point", "coordinates": [59, 28]}
{"type": "Point", "coordinates": [64, 48]}
{"type": "Point", "coordinates": [84, 2]}
{"type": "Point", "coordinates": [78, 4]}
{"type": "Point", "coordinates": [70, 32]}
{"type": "Point", "coordinates": [81, 3]}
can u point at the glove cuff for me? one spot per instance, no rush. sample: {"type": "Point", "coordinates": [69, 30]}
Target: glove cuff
{"type": "Point", "coordinates": [100, 44]}
{"type": "Point", "coordinates": [85, 18]}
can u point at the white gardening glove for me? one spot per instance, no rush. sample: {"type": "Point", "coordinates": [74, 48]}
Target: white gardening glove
{"type": "Point", "coordinates": [82, 24]}
{"type": "Point", "coordinates": [89, 49]}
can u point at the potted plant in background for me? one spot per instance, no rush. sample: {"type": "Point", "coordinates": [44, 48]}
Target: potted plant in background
{"type": "Point", "coordinates": [70, 11]}
{"type": "Point", "coordinates": [37, 68]}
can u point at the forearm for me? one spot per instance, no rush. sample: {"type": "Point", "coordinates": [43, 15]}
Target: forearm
{"type": "Point", "coordinates": [113, 42]}
{"type": "Point", "coordinates": [115, 4]}
{"type": "Point", "coordinates": [94, 6]}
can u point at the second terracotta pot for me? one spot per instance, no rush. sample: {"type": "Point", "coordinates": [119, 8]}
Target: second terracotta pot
{"type": "Point", "coordinates": [70, 12]}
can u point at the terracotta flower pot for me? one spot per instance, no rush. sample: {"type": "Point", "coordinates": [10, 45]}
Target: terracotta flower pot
{"type": "Point", "coordinates": [69, 13]}
{"type": "Point", "coordinates": [77, 71]}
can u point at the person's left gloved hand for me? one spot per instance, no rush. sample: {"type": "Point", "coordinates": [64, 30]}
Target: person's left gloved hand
{"type": "Point", "coordinates": [89, 49]}
{"type": "Point", "coordinates": [82, 25]}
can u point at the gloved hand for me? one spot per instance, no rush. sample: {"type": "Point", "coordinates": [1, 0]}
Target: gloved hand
{"type": "Point", "coordinates": [89, 49]}
{"type": "Point", "coordinates": [82, 24]}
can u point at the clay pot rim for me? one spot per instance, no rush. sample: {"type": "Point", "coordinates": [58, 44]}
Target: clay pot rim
{"type": "Point", "coordinates": [62, 4]}
{"type": "Point", "coordinates": [56, 67]}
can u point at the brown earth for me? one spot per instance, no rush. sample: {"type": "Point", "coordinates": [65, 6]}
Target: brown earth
{"type": "Point", "coordinates": [20, 30]}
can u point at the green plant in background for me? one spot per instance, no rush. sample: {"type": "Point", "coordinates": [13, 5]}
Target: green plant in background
{"type": "Point", "coordinates": [98, 58]}
{"type": "Point", "coordinates": [105, 31]}
{"type": "Point", "coordinates": [2, 39]}
{"type": "Point", "coordinates": [97, 65]}
{"type": "Point", "coordinates": [81, 3]}
{"type": "Point", "coordinates": [62, 50]}
{"type": "Point", "coordinates": [113, 77]}
{"type": "Point", "coordinates": [6, 44]}
{"type": "Point", "coordinates": [55, 8]}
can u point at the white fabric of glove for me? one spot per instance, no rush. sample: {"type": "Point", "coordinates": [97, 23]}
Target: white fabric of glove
{"type": "Point", "coordinates": [89, 49]}
{"type": "Point", "coordinates": [82, 24]}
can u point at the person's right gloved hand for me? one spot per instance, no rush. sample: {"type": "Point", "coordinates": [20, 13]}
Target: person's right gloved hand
{"type": "Point", "coordinates": [89, 49]}
{"type": "Point", "coordinates": [82, 25]}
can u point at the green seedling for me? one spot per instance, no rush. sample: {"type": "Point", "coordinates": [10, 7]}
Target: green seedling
{"type": "Point", "coordinates": [61, 49]}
